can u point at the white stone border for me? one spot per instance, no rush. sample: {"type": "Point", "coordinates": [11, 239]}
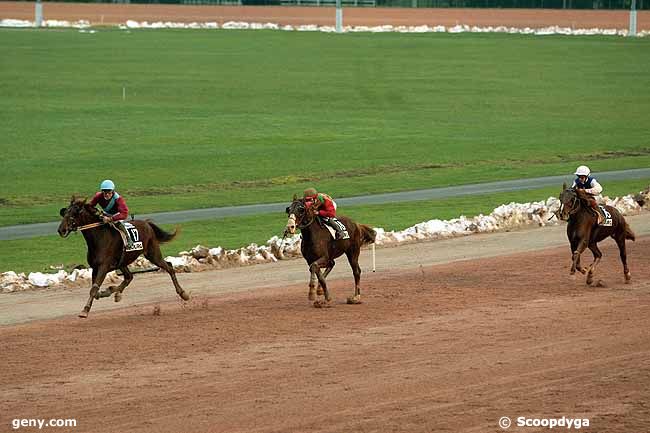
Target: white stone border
{"type": "Point", "coordinates": [200, 258]}
{"type": "Point", "coordinates": [83, 25]}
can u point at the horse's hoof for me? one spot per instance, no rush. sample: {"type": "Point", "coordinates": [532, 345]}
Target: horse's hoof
{"type": "Point", "coordinates": [103, 294]}
{"type": "Point", "coordinates": [590, 280]}
{"type": "Point", "coordinates": [354, 300]}
{"type": "Point", "coordinates": [322, 304]}
{"type": "Point", "coordinates": [185, 296]}
{"type": "Point", "coordinates": [312, 295]}
{"type": "Point", "coordinates": [601, 283]}
{"type": "Point", "coordinates": [628, 278]}
{"type": "Point", "coordinates": [83, 314]}
{"type": "Point", "coordinates": [118, 296]}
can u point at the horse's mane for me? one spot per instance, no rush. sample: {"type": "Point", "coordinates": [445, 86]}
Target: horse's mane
{"type": "Point", "coordinates": [82, 203]}
{"type": "Point", "coordinates": [582, 196]}
{"type": "Point", "coordinates": [78, 201]}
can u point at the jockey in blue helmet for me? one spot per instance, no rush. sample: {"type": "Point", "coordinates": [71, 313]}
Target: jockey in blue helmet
{"type": "Point", "coordinates": [114, 208]}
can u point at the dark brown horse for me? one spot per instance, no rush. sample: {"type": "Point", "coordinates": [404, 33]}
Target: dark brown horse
{"type": "Point", "coordinates": [319, 248]}
{"type": "Point", "coordinates": [106, 249]}
{"type": "Point", "coordinates": [583, 230]}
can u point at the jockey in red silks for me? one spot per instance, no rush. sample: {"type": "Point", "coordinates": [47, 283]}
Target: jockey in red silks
{"type": "Point", "coordinates": [326, 210]}
{"type": "Point", "coordinates": [590, 185]}
{"type": "Point", "coordinates": [114, 209]}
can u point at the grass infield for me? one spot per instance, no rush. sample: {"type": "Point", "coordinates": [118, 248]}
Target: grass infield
{"type": "Point", "coordinates": [183, 119]}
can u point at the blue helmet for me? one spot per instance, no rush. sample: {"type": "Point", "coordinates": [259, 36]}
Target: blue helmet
{"type": "Point", "coordinates": [107, 184]}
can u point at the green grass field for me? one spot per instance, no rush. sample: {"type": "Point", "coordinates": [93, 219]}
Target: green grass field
{"type": "Point", "coordinates": [218, 118]}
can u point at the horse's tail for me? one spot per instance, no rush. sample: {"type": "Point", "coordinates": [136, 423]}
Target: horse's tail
{"type": "Point", "coordinates": [161, 235]}
{"type": "Point", "coordinates": [629, 234]}
{"type": "Point", "coordinates": [368, 234]}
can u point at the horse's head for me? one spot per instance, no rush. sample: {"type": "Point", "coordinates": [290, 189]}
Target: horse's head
{"type": "Point", "coordinates": [300, 215]}
{"type": "Point", "coordinates": [78, 213]}
{"type": "Point", "coordinates": [569, 202]}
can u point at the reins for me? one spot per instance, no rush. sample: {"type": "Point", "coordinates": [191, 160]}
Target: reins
{"type": "Point", "coordinates": [90, 226]}
{"type": "Point", "coordinates": [574, 200]}
{"type": "Point", "coordinates": [304, 226]}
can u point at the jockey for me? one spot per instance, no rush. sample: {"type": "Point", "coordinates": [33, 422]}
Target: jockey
{"type": "Point", "coordinates": [326, 210]}
{"type": "Point", "coordinates": [114, 209]}
{"type": "Point", "coordinates": [590, 185]}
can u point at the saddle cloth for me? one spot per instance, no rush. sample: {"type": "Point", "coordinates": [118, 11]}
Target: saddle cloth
{"type": "Point", "coordinates": [331, 230]}
{"type": "Point", "coordinates": [607, 222]}
{"type": "Point", "coordinates": [136, 243]}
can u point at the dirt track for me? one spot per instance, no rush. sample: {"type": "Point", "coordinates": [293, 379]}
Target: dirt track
{"type": "Point", "coordinates": [450, 347]}
{"type": "Point", "coordinates": [104, 14]}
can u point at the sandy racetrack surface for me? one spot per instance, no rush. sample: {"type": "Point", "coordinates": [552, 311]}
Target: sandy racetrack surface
{"type": "Point", "coordinates": [438, 348]}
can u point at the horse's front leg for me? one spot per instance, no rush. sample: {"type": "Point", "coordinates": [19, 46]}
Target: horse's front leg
{"type": "Point", "coordinates": [316, 276]}
{"type": "Point", "coordinates": [98, 278]}
{"type": "Point", "coordinates": [313, 279]}
{"type": "Point", "coordinates": [330, 266]}
{"type": "Point", "coordinates": [577, 248]}
{"type": "Point", "coordinates": [128, 277]}
{"type": "Point", "coordinates": [579, 267]}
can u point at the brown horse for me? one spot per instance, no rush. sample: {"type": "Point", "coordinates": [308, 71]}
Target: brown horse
{"type": "Point", "coordinates": [319, 248]}
{"type": "Point", "coordinates": [583, 230]}
{"type": "Point", "coordinates": [106, 249]}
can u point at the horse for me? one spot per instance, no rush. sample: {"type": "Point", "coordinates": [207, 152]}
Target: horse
{"type": "Point", "coordinates": [106, 251]}
{"type": "Point", "coordinates": [583, 230]}
{"type": "Point", "coordinates": [319, 248]}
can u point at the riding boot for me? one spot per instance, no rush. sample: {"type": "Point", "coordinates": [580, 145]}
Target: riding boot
{"type": "Point", "coordinates": [341, 230]}
{"type": "Point", "coordinates": [128, 243]}
{"type": "Point", "coordinates": [597, 210]}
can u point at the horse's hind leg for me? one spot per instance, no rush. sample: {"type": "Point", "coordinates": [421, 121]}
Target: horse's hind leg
{"type": "Point", "coordinates": [592, 268]}
{"type": "Point", "coordinates": [98, 278]}
{"type": "Point", "coordinates": [353, 258]}
{"type": "Point", "coordinates": [155, 256]}
{"type": "Point", "coordinates": [620, 241]}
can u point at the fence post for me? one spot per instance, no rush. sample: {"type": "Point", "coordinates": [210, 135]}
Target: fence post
{"type": "Point", "coordinates": [632, 31]}
{"type": "Point", "coordinates": [38, 13]}
{"type": "Point", "coordinates": [339, 17]}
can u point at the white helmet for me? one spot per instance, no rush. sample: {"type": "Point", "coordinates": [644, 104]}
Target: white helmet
{"type": "Point", "coordinates": [583, 170]}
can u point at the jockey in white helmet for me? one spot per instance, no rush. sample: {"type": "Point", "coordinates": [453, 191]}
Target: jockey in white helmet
{"type": "Point", "coordinates": [590, 185]}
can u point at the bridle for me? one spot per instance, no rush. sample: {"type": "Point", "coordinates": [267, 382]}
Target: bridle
{"type": "Point", "coordinates": [73, 227]}
{"type": "Point", "coordinates": [573, 206]}
{"type": "Point", "coordinates": [298, 219]}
